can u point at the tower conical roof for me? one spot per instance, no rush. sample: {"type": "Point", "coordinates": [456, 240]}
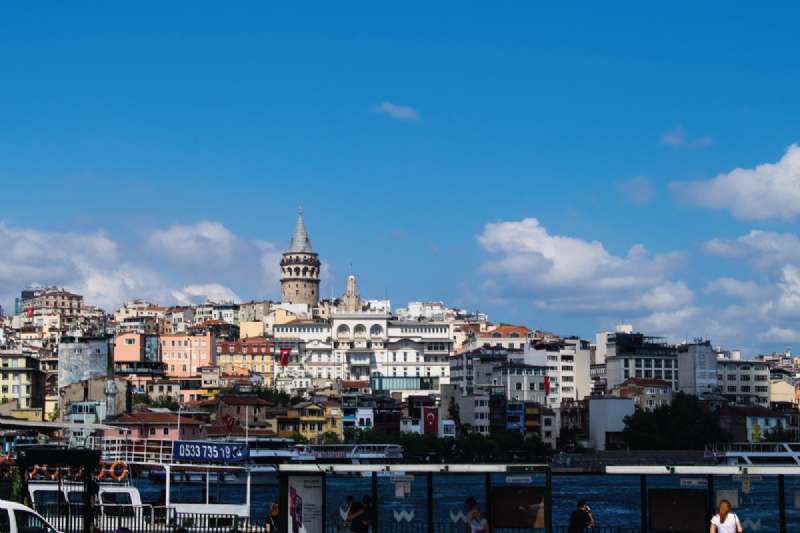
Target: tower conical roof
{"type": "Point", "coordinates": [300, 243]}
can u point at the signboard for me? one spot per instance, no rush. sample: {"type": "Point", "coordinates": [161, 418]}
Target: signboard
{"type": "Point", "coordinates": [305, 504]}
{"type": "Point", "coordinates": [209, 452]}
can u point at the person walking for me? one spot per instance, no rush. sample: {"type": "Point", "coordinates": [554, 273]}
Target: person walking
{"type": "Point", "coordinates": [271, 525]}
{"type": "Point", "coordinates": [725, 521]}
{"type": "Point", "coordinates": [358, 518]}
{"type": "Point", "coordinates": [476, 523]}
{"type": "Point", "coordinates": [581, 518]}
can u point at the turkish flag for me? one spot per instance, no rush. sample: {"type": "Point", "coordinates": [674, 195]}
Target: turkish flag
{"type": "Point", "coordinates": [431, 420]}
{"type": "Point", "coordinates": [30, 312]}
{"type": "Point", "coordinates": [285, 352]}
{"type": "Point", "coordinates": [547, 385]}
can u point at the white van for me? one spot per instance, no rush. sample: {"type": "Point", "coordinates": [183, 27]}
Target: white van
{"type": "Point", "coordinates": [16, 518]}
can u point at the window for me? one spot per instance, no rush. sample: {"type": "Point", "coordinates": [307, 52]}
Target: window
{"type": "Point", "coordinates": [519, 386]}
{"type": "Point", "coordinates": [29, 523]}
{"type": "Point", "coordinates": [152, 431]}
{"type": "Point", "coordinates": [166, 431]}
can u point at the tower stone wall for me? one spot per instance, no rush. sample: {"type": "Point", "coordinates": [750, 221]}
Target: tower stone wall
{"type": "Point", "coordinates": [300, 268]}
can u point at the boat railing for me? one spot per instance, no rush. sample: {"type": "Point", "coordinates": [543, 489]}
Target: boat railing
{"type": "Point", "coordinates": [754, 447]}
{"type": "Point", "coordinates": [133, 450]}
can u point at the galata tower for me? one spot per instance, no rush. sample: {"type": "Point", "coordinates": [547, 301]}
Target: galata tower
{"type": "Point", "coordinates": [300, 268]}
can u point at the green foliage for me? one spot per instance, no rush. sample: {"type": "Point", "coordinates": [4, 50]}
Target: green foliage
{"type": "Point", "coordinates": [329, 437]}
{"type": "Point", "coordinates": [779, 434]}
{"type": "Point", "coordinates": [686, 424]}
{"type": "Point", "coordinates": [274, 396]}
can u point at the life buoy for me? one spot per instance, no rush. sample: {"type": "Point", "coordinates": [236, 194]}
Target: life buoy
{"type": "Point", "coordinates": [52, 473]}
{"type": "Point", "coordinates": [76, 475]}
{"type": "Point", "coordinates": [37, 469]}
{"type": "Point", "coordinates": [118, 471]}
{"type": "Point", "coordinates": [101, 471]}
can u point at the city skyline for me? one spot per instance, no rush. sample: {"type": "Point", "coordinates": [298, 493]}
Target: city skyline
{"type": "Point", "coordinates": [495, 164]}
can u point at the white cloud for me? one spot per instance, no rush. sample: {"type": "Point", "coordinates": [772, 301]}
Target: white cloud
{"type": "Point", "coordinates": [779, 334]}
{"type": "Point", "coordinates": [574, 275]}
{"type": "Point", "coordinates": [196, 243]}
{"type": "Point", "coordinates": [194, 294]}
{"type": "Point", "coordinates": [399, 112]}
{"type": "Point", "coordinates": [747, 290]}
{"type": "Point", "coordinates": [94, 265]}
{"type": "Point", "coordinates": [770, 190]}
{"type": "Point", "coordinates": [676, 137]}
{"type": "Point", "coordinates": [639, 190]}
{"type": "Point", "coordinates": [786, 304]}
{"type": "Point", "coordinates": [761, 248]}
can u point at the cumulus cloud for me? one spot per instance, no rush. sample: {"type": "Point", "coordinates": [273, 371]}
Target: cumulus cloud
{"type": "Point", "coordinates": [195, 243]}
{"type": "Point", "coordinates": [570, 274]}
{"type": "Point", "coordinates": [770, 190]}
{"type": "Point", "coordinates": [779, 334]}
{"type": "Point", "coordinates": [760, 248]}
{"type": "Point", "coordinates": [398, 112]}
{"type": "Point", "coordinates": [677, 138]}
{"type": "Point", "coordinates": [209, 259]}
{"type": "Point", "coordinates": [194, 294]}
{"type": "Point", "coordinates": [747, 290]}
{"type": "Point", "coordinates": [638, 190]}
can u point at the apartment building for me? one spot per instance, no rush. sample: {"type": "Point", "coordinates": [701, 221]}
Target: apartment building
{"type": "Point", "coordinates": [634, 355]}
{"type": "Point", "coordinates": [21, 380]}
{"type": "Point", "coordinates": [744, 382]}
{"type": "Point", "coordinates": [184, 354]}
{"type": "Point", "coordinates": [253, 354]}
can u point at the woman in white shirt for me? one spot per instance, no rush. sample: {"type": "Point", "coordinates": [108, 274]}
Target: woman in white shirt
{"type": "Point", "coordinates": [725, 521]}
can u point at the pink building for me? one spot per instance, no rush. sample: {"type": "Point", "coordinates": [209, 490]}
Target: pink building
{"type": "Point", "coordinates": [161, 426]}
{"type": "Point", "coordinates": [135, 347]}
{"type": "Point", "coordinates": [184, 354]}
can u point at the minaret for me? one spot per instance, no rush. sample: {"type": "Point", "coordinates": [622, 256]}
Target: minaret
{"type": "Point", "coordinates": [300, 267]}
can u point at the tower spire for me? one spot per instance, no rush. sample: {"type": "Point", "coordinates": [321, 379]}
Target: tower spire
{"type": "Point", "coordinates": [300, 243]}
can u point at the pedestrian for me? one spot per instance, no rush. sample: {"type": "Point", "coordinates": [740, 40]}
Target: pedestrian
{"type": "Point", "coordinates": [581, 518]}
{"type": "Point", "coordinates": [725, 521]}
{"type": "Point", "coordinates": [340, 515]}
{"type": "Point", "coordinates": [358, 518]}
{"type": "Point", "coordinates": [271, 525]}
{"type": "Point", "coordinates": [472, 510]}
{"type": "Point", "coordinates": [478, 524]}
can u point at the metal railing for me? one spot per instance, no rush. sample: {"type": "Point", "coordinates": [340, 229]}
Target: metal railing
{"type": "Point", "coordinates": [144, 519]}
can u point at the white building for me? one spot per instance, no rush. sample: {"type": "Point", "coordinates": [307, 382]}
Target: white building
{"type": "Point", "coordinates": [569, 366]}
{"type": "Point", "coordinates": [697, 369]}
{"type": "Point", "coordinates": [606, 420]}
{"type": "Point", "coordinates": [744, 382]}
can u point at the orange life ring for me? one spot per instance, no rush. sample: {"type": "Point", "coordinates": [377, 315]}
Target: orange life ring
{"type": "Point", "coordinates": [52, 473]}
{"type": "Point", "coordinates": [37, 469]}
{"type": "Point", "coordinates": [101, 471]}
{"type": "Point", "coordinates": [118, 471]}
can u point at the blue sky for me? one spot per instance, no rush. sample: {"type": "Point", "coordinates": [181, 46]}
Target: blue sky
{"type": "Point", "coordinates": [161, 151]}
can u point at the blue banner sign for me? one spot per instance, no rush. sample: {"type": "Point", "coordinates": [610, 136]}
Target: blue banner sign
{"type": "Point", "coordinates": [209, 452]}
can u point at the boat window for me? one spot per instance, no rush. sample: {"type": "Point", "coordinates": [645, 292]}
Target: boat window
{"type": "Point", "coordinates": [116, 498]}
{"type": "Point", "coordinates": [5, 522]}
{"type": "Point", "coordinates": [47, 497]}
{"type": "Point", "coordinates": [75, 496]}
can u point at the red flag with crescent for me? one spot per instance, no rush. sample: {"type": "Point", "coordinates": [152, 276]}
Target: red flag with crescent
{"type": "Point", "coordinates": [285, 352]}
{"type": "Point", "coordinates": [431, 420]}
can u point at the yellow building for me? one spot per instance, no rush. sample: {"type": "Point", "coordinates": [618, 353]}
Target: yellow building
{"type": "Point", "coordinates": [312, 420]}
{"type": "Point", "coordinates": [21, 379]}
{"type": "Point", "coordinates": [253, 354]}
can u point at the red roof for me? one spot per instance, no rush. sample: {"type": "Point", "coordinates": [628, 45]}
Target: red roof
{"type": "Point", "coordinates": [355, 384]}
{"type": "Point", "coordinates": [153, 418]}
{"type": "Point", "coordinates": [505, 330]}
{"type": "Point", "coordinates": [646, 382]}
{"type": "Point", "coordinates": [243, 400]}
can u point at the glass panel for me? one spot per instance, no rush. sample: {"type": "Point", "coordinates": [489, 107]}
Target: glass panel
{"type": "Point", "coordinates": [614, 500]}
{"type": "Point", "coordinates": [449, 493]}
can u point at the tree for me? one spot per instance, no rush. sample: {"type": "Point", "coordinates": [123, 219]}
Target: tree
{"type": "Point", "coordinates": [685, 424]}
{"type": "Point", "coordinates": [779, 434]}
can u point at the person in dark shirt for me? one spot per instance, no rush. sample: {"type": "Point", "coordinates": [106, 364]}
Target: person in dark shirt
{"type": "Point", "coordinates": [581, 518]}
{"type": "Point", "coordinates": [359, 517]}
